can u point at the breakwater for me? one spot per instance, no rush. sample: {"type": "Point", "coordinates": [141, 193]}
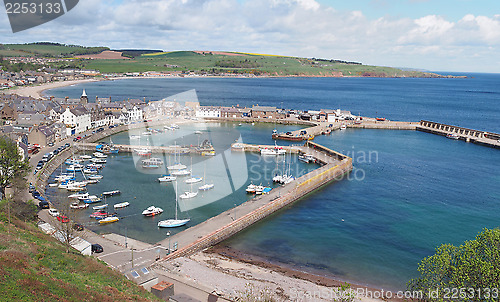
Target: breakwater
{"type": "Point", "coordinates": [484, 138]}
{"type": "Point", "coordinates": [228, 223]}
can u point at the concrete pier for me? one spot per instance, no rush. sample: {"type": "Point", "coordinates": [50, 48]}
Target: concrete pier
{"type": "Point", "coordinates": [484, 138]}
{"type": "Point", "coordinates": [226, 224]}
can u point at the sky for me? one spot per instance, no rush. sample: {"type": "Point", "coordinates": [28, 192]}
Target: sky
{"type": "Point", "coordinates": [436, 35]}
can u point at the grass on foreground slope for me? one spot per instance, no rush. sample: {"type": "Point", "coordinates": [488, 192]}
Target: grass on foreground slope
{"type": "Point", "coordinates": [35, 267]}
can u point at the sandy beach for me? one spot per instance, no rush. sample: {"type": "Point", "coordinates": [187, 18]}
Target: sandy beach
{"type": "Point", "coordinates": [36, 91]}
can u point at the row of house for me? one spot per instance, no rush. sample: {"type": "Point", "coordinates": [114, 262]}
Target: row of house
{"type": "Point", "coordinates": [327, 115]}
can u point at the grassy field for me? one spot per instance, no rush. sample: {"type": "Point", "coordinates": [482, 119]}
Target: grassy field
{"type": "Point", "coordinates": [36, 267]}
{"type": "Point", "coordinates": [211, 63]}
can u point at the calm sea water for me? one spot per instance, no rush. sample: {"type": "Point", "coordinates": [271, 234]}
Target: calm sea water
{"type": "Point", "coordinates": [409, 192]}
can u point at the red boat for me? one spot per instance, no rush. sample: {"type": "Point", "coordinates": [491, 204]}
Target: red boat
{"type": "Point", "coordinates": [380, 119]}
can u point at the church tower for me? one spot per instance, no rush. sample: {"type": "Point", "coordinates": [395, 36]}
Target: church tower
{"type": "Point", "coordinates": [84, 99]}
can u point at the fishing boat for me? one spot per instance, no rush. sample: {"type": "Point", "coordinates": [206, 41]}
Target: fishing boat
{"type": "Point", "coordinates": [100, 207]}
{"type": "Point", "coordinates": [98, 160]}
{"type": "Point", "coordinates": [143, 151]}
{"type": "Point", "coordinates": [172, 223]}
{"type": "Point", "coordinates": [152, 211]}
{"type": "Point", "coordinates": [111, 193]}
{"type": "Point", "coordinates": [109, 219]}
{"type": "Point", "coordinates": [99, 215]}
{"type": "Point", "coordinates": [74, 168]}
{"type": "Point", "coordinates": [92, 199]}
{"type": "Point", "coordinates": [193, 180]}
{"type": "Point", "coordinates": [251, 188]}
{"type": "Point", "coordinates": [307, 158]}
{"type": "Point", "coordinates": [78, 206]}
{"type": "Point", "coordinates": [380, 119]}
{"type": "Point", "coordinates": [166, 178]}
{"type": "Point", "coordinates": [121, 205]}
{"type": "Point", "coordinates": [152, 163]}
{"type": "Point", "coordinates": [181, 173]}
{"type": "Point", "coordinates": [79, 195]}
{"type": "Point", "coordinates": [266, 151]}
{"type": "Point", "coordinates": [453, 136]}
{"type": "Point", "coordinates": [99, 155]}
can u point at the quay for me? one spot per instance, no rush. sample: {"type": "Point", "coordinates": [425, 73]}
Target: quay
{"type": "Point", "coordinates": [484, 138]}
{"type": "Point", "coordinates": [131, 148]}
{"type": "Point", "coordinates": [221, 227]}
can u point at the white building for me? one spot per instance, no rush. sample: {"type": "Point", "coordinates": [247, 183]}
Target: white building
{"type": "Point", "coordinates": [77, 120]}
{"type": "Point", "coordinates": [208, 111]}
{"type": "Point", "coordinates": [132, 113]}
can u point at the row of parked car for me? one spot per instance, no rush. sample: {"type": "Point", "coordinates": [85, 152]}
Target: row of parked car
{"type": "Point", "coordinates": [47, 156]}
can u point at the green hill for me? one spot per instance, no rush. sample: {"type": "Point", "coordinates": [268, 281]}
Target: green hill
{"type": "Point", "coordinates": [36, 267]}
{"type": "Point", "coordinates": [205, 62]}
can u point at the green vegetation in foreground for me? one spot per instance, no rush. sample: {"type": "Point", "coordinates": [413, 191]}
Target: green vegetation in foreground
{"type": "Point", "coordinates": [36, 267]}
{"type": "Point", "coordinates": [470, 272]}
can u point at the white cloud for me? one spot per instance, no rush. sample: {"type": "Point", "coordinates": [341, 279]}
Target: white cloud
{"type": "Point", "coordinates": [288, 27]}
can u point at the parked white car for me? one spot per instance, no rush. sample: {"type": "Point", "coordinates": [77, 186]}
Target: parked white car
{"type": "Point", "coordinates": [54, 212]}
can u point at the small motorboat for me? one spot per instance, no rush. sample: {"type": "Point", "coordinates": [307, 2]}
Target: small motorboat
{"type": "Point", "coordinates": [307, 158]}
{"type": "Point", "coordinates": [92, 199]}
{"type": "Point", "coordinates": [453, 136]}
{"type": "Point", "coordinates": [77, 206]}
{"type": "Point", "coordinates": [100, 207]}
{"type": "Point", "coordinates": [166, 178]}
{"type": "Point", "coordinates": [193, 180]}
{"type": "Point", "coordinates": [152, 211]}
{"type": "Point", "coordinates": [121, 205]}
{"type": "Point", "coordinates": [188, 195]}
{"type": "Point", "coordinates": [99, 155]}
{"type": "Point", "coordinates": [206, 187]}
{"type": "Point", "coordinates": [99, 214]}
{"type": "Point", "coordinates": [181, 173]}
{"type": "Point", "coordinates": [95, 177]}
{"type": "Point", "coordinates": [85, 157]}
{"type": "Point", "coordinates": [111, 193]}
{"type": "Point", "coordinates": [80, 195]}
{"type": "Point", "coordinates": [109, 219]}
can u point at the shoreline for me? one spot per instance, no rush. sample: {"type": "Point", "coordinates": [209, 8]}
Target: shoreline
{"type": "Point", "coordinates": [37, 91]}
{"type": "Point", "coordinates": [289, 271]}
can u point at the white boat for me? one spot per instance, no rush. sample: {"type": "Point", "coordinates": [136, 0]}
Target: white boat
{"type": "Point", "coordinates": [193, 180]}
{"type": "Point", "coordinates": [92, 181]}
{"type": "Point", "coordinates": [78, 206]}
{"type": "Point", "coordinates": [152, 163]}
{"type": "Point", "coordinates": [99, 155]}
{"type": "Point", "coordinates": [177, 166]}
{"type": "Point", "coordinates": [198, 132]}
{"type": "Point", "coordinates": [251, 188]}
{"type": "Point", "coordinates": [94, 166]}
{"type": "Point", "coordinates": [152, 211]}
{"type": "Point", "coordinates": [181, 173]}
{"type": "Point", "coordinates": [79, 195]}
{"type": "Point", "coordinates": [206, 187]}
{"type": "Point", "coordinates": [85, 157]}
{"type": "Point", "coordinates": [108, 220]}
{"type": "Point", "coordinates": [187, 195]}
{"type": "Point", "coordinates": [278, 178]}
{"type": "Point", "coordinates": [135, 137]}
{"type": "Point", "coordinates": [172, 223]}
{"type": "Point", "coordinates": [90, 171]}
{"type": "Point", "coordinates": [121, 205]}
{"type": "Point", "coordinates": [143, 151]}
{"type": "Point", "coordinates": [307, 158]}
{"type": "Point", "coordinates": [74, 168]}
{"type": "Point", "coordinates": [266, 151]}
{"type": "Point", "coordinates": [87, 197]}
{"type": "Point", "coordinates": [259, 189]}
{"type": "Point", "coordinates": [111, 193]}
{"type": "Point", "coordinates": [98, 160]}
{"type": "Point", "coordinates": [95, 177]}
{"type": "Point", "coordinates": [147, 133]}
{"type": "Point", "coordinates": [288, 179]}
{"type": "Point", "coordinates": [166, 178]}
{"type": "Point", "coordinates": [343, 127]}
{"type": "Point", "coordinates": [100, 207]}
{"type": "Point", "coordinates": [174, 126]}
{"type": "Point", "coordinates": [453, 136]}
{"type": "Point", "coordinates": [54, 185]}
{"type": "Point", "coordinates": [92, 199]}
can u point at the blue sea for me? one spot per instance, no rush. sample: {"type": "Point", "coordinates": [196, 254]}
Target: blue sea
{"type": "Point", "coordinates": [409, 192]}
